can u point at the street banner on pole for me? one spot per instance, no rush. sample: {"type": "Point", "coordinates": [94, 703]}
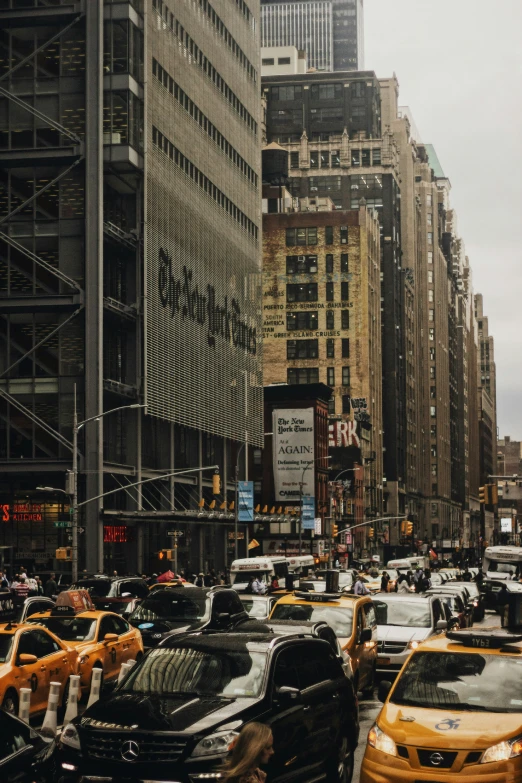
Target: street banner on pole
{"type": "Point", "coordinates": [245, 494]}
{"type": "Point", "coordinates": [308, 512]}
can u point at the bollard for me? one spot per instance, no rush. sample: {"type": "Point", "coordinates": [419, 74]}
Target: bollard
{"type": "Point", "coordinates": [72, 702]}
{"type": "Point", "coordinates": [131, 663]}
{"type": "Point", "coordinates": [125, 668]}
{"type": "Point", "coordinates": [25, 704]}
{"type": "Point", "coordinates": [96, 678]}
{"type": "Point", "coordinates": [50, 723]}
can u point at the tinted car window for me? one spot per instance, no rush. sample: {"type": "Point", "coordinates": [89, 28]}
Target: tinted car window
{"type": "Point", "coordinates": [37, 606]}
{"type": "Point", "coordinates": [13, 736]}
{"type": "Point", "coordinates": [173, 605]}
{"type": "Point", "coordinates": [121, 625]}
{"type": "Point", "coordinates": [134, 589]}
{"type": "Point", "coordinates": [257, 608]}
{"type": "Point", "coordinates": [98, 588]}
{"type": "Point", "coordinates": [285, 672]}
{"type": "Point", "coordinates": [403, 613]}
{"type": "Point", "coordinates": [70, 629]}
{"type": "Point", "coordinates": [314, 666]}
{"type": "Point", "coordinates": [369, 611]}
{"type": "Point", "coordinates": [108, 625]}
{"type": "Point", "coordinates": [338, 619]}
{"type": "Point", "coordinates": [6, 646]}
{"type": "Point", "coordinates": [227, 601]}
{"type": "Point", "coordinates": [26, 644]}
{"type": "Point", "coordinates": [328, 635]}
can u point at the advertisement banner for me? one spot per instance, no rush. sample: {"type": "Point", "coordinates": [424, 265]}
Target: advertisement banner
{"type": "Point", "coordinates": [245, 497]}
{"type": "Point", "coordinates": [293, 441]}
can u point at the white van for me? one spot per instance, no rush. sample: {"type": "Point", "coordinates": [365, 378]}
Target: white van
{"type": "Point", "coordinates": [409, 563]}
{"type": "Point", "coordinates": [263, 567]}
{"type": "Point", "coordinates": [300, 565]}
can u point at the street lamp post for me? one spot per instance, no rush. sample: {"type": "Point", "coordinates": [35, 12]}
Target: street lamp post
{"type": "Point", "coordinates": [332, 489]}
{"type": "Point", "coordinates": [301, 485]}
{"type": "Point", "coordinates": [72, 491]}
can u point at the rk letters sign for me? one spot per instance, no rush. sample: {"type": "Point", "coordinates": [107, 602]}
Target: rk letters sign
{"type": "Point", "coordinates": [199, 304]}
{"type": "Point", "coordinates": [293, 453]}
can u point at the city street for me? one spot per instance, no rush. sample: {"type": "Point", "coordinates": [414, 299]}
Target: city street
{"type": "Point", "coordinates": [370, 708]}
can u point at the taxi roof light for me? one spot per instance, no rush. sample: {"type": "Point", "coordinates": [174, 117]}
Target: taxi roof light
{"type": "Point", "coordinates": [486, 638]}
{"type": "Point", "coordinates": [317, 597]}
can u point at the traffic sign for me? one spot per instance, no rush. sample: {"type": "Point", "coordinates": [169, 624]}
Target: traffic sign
{"type": "Point", "coordinates": [175, 533]}
{"type": "Point", "coordinates": [62, 524]}
{"type": "Point", "coordinates": [308, 512]}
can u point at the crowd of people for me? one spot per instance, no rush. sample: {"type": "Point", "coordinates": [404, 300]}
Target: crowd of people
{"type": "Point", "coordinates": [23, 584]}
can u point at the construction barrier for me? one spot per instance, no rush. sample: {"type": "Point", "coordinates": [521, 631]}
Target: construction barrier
{"type": "Point", "coordinates": [72, 701]}
{"type": "Point", "coordinates": [96, 679]}
{"type": "Point", "coordinates": [50, 723]}
{"type": "Point", "coordinates": [125, 669]}
{"type": "Point", "coordinates": [131, 663]}
{"type": "Point", "coordinates": [24, 706]}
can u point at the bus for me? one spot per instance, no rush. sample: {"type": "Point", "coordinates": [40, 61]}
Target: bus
{"type": "Point", "coordinates": [501, 561]}
{"type": "Point", "coordinates": [264, 567]}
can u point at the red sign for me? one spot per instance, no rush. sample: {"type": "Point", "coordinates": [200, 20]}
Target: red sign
{"type": "Point", "coordinates": [115, 534]}
{"type": "Point", "coordinates": [343, 434]}
{"type": "Point", "coordinates": [22, 512]}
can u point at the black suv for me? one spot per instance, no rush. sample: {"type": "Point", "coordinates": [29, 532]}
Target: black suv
{"type": "Point", "coordinates": [112, 594]}
{"type": "Point", "coordinates": [176, 713]}
{"type": "Point", "coordinates": [179, 609]}
{"type": "Point", "coordinates": [25, 756]}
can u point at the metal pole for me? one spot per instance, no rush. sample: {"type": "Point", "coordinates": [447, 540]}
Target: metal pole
{"type": "Point", "coordinates": [176, 555]}
{"type": "Point", "coordinates": [75, 493]}
{"type": "Point", "coordinates": [236, 510]}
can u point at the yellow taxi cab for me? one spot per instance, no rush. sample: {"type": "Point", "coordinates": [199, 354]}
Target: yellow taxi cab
{"type": "Point", "coordinates": [351, 617]}
{"type": "Point", "coordinates": [175, 583]}
{"type": "Point", "coordinates": [102, 640]}
{"type": "Point", "coordinates": [454, 713]}
{"type": "Point", "coordinates": [32, 657]}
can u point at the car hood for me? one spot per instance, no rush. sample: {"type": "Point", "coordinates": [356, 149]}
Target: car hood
{"type": "Point", "coordinates": [147, 627]}
{"type": "Point", "coordinates": [400, 633]}
{"type": "Point", "coordinates": [180, 712]}
{"type": "Point", "coordinates": [455, 729]}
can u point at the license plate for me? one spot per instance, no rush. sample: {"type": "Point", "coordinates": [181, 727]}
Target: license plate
{"type": "Point", "coordinates": [383, 661]}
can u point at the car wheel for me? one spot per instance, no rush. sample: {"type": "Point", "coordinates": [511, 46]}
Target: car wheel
{"type": "Point", "coordinates": [10, 702]}
{"type": "Point", "coordinates": [341, 770]}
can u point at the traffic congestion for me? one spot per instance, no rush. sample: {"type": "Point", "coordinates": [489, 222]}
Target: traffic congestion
{"type": "Point", "coordinates": [400, 672]}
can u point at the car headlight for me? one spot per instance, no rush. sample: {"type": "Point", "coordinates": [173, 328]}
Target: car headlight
{"type": "Point", "coordinates": [70, 737]}
{"type": "Point", "coordinates": [215, 744]}
{"type": "Point", "coordinates": [380, 741]}
{"type": "Point", "coordinates": [413, 645]}
{"type": "Point", "coordinates": [508, 749]}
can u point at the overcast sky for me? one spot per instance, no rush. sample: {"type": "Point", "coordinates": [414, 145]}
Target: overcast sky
{"type": "Point", "coordinates": [459, 66]}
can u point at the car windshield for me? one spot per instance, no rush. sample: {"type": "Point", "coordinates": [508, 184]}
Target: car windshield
{"type": "Point", "coordinates": [6, 646]}
{"type": "Point", "coordinates": [246, 576]}
{"type": "Point", "coordinates": [258, 608]}
{"type": "Point", "coordinates": [99, 588]}
{"type": "Point", "coordinates": [70, 629]}
{"type": "Point", "coordinates": [339, 619]}
{"type": "Point", "coordinates": [203, 671]}
{"type": "Point", "coordinates": [461, 681]}
{"type": "Point", "coordinates": [176, 605]}
{"type": "Point", "coordinates": [503, 568]}
{"type": "Point", "coordinates": [403, 613]}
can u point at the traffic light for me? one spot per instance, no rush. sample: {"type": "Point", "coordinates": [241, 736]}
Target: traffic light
{"type": "Point", "coordinates": [409, 527]}
{"type": "Point", "coordinates": [335, 530]}
{"type": "Point", "coordinates": [404, 527]}
{"type": "Point", "coordinates": [161, 555]}
{"type": "Point", "coordinates": [485, 493]}
{"type": "Point", "coordinates": [482, 495]}
{"type": "Point", "coordinates": [216, 484]}
{"type": "Point", "coordinates": [371, 532]}
{"type": "Point", "coordinates": [493, 494]}
{"type": "Point", "coordinates": [168, 554]}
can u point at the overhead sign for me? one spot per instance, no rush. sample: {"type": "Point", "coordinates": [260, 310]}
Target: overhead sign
{"type": "Point", "coordinates": [308, 513]}
{"type": "Point", "coordinates": [293, 441]}
{"type": "Point", "coordinates": [506, 525]}
{"type": "Point", "coordinates": [245, 498]}
{"type": "Point", "coordinates": [342, 434]}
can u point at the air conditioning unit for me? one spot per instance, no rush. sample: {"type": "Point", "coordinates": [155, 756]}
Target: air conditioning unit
{"type": "Point", "coordinates": [314, 189]}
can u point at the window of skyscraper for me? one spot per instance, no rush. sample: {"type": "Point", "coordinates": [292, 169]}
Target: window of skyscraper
{"type": "Point", "coordinates": [376, 157]}
{"type": "Point", "coordinates": [283, 60]}
{"type": "Point", "coordinates": [329, 264]}
{"type": "Point", "coordinates": [301, 265]}
{"type": "Point", "coordinates": [302, 349]}
{"type": "Point", "coordinates": [331, 405]}
{"type": "Point", "coordinates": [336, 159]}
{"type": "Point", "coordinates": [301, 236]}
{"type": "Point", "coordinates": [330, 348]}
{"type": "Point", "coordinates": [343, 235]}
{"type": "Point", "coordinates": [366, 158]}
{"type": "Point", "coordinates": [326, 184]}
{"type": "Point", "coordinates": [314, 159]}
{"type": "Point", "coordinates": [346, 403]}
{"type": "Point", "coordinates": [326, 92]}
{"type": "Point", "coordinates": [330, 376]}
{"type": "Point", "coordinates": [345, 348]}
{"type": "Point", "coordinates": [345, 319]}
{"type": "Point", "coordinates": [346, 376]}
{"type": "Point", "coordinates": [330, 319]}
{"type": "Point", "coordinates": [329, 292]}
{"type": "Point", "coordinates": [288, 92]}
{"type": "Point", "coordinates": [302, 375]}
{"type": "Point", "coordinates": [344, 263]}
{"type": "Point", "coordinates": [306, 292]}
{"type": "Point", "coordinates": [358, 89]}
{"type": "Point", "coordinates": [294, 160]}
{"type": "Point", "coordinates": [307, 320]}
{"type": "Point", "coordinates": [267, 61]}
{"type": "Point", "coordinates": [328, 235]}
{"type": "Point", "coordinates": [356, 157]}
{"type": "Point", "coordinates": [325, 160]}
{"type": "Point", "coordinates": [345, 292]}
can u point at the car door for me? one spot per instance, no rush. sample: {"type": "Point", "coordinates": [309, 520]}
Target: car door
{"type": "Point", "coordinates": [53, 657]}
{"type": "Point", "coordinates": [129, 647]}
{"type": "Point", "coordinates": [289, 729]}
{"type": "Point", "coordinates": [357, 652]}
{"type": "Point", "coordinates": [110, 650]}
{"type": "Point", "coordinates": [31, 675]}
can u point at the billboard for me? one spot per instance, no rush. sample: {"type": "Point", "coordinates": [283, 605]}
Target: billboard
{"type": "Point", "coordinates": [203, 295]}
{"type": "Point", "coordinates": [293, 443]}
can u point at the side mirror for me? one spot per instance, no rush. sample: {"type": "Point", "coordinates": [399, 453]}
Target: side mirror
{"type": "Point", "coordinates": [453, 623]}
{"type": "Point", "coordinates": [25, 659]}
{"type": "Point", "coordinates": [383, 690]}
{"type": "Point", "coordinates": [286, 695]}
{"type": "Point", "coordinates": [441, 625]}
{"type": "Point", "coordinates": [110, 637]}
{"type": "Point", "coordinates": [366, 635]}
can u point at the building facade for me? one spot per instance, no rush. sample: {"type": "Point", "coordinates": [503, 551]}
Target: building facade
{"type": "Point", "coordinates": [330, 32]}
{"type": "Point", "coordinates": [130, 263]}
{"type": "Point", "coordinates": [321, 307]}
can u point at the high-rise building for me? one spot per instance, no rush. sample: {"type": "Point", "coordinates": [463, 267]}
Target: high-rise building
{"type": "Point", "coordinates": [129, 270]}
{"type": "Point", "coordinates": [321, 308]}
{"type": "Point", "coordinates": [487, 390]}
{"type": "Point", "coordinates": [331, 32]}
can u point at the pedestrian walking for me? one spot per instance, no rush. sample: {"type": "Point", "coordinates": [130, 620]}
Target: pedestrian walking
{"type": "Point", "coordinates": [51, 588]}
{"type": "Point", "coordinates": [385, 582]}
{"type": "Point", "coordinates": [258, 586]}
{"type": "Point", "coordinates": [403, 584]}
{"type": "Point", "coordinates": [20, 588]}
{"type": "Point", "coordinates": [39, 586]}
{"type": "Point", "coordinates": [425, 581]}
{"type": "Point", "coordinates": [200, 580]}
{"type": "Point", "coordinates": [253, 747]}
{"type": "Point", "coordinates": [359, 587]}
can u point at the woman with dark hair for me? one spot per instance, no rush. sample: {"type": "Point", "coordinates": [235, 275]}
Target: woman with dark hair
{"type": "Point", "coordinates": [253, 747]}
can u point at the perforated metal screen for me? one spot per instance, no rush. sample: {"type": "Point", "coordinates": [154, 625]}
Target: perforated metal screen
{"type": "Point", "coordinates": [203, 335]}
